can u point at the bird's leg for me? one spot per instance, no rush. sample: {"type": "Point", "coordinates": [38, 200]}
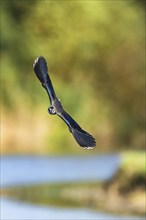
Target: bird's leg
{"type": "Point", "coordinates": [51, 110]}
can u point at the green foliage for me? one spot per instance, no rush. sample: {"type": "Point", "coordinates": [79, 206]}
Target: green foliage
{"type": "Point", "coordinates": [95, 50]}
{"type": "Point", "coordinates": [134, 163]}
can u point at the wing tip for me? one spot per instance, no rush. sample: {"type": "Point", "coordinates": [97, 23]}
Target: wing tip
{"type": "Point", "coordinates": [37, 60]}
{"type": "Point", "coordinates": [41, 69]}
{"type": "Point", "coordinates": [84, 139]}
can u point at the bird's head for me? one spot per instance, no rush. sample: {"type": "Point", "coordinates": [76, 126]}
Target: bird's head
{"type": "Point", "coordinates": [51, 110]}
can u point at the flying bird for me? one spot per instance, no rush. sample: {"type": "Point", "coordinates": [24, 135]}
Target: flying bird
{"type": "Point", "coordinates": [83, 138]}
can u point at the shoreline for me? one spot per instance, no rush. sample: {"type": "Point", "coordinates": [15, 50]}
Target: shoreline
{"type": "Point", "coordinates": [124, 193]}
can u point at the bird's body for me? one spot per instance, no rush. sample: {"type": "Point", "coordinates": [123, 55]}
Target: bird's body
{"type": "Point", "coordinates": [83, 138]}
{"type": "Point", "coordinates": [57, 106]}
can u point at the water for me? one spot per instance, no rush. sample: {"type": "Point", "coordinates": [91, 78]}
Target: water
{"type": "Point", "coordinates": [21, 170]}
{"type": "Point", "coordinates": [23, 211]}
{"type": "Point", "coordinates": [32, 169]}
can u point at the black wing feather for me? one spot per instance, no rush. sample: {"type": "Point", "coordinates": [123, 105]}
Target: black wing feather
{"type": "Point", "coordinates": [83, 138]}
{"type": "Point", "coordinates": [41, 71]}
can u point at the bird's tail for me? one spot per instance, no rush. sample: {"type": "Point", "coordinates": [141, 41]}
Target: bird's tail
{"type": "Point", "coordinates": [83, 138]}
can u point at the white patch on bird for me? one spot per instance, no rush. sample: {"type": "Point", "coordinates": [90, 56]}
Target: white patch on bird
{"type": "Point", "coordinates": [36, 60]}
{"type": "Point", "coordinates": [53, 110]}
{"type": "Point", "coordinates": [88, 148]}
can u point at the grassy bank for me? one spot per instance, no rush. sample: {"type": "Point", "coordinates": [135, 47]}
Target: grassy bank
{"type": "Point", "coordinates": [124, 193]}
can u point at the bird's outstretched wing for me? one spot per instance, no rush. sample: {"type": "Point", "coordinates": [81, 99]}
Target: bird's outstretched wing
{"type": "Point", "coordinates": [41, 71]}
{"type": "Point", "coordinates": [83, 138]}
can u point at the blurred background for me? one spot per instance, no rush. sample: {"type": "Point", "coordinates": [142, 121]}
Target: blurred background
{"type": "Point", "coordinates": [96, 59]}
{"type": "Point", "coordinates": [95, 54]}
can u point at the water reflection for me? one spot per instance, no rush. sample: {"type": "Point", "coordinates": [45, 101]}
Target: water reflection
{"type": "Point", "coordinates": [20, 211]}
{"type": "Point", "coordinates": [19, 171]}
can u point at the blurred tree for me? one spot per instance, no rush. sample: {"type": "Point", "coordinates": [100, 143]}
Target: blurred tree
{"type": "Point", "coordinates": [96, 46]}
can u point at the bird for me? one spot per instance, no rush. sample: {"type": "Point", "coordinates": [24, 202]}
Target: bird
{"type": "Point", "coordinates": [83, 138]}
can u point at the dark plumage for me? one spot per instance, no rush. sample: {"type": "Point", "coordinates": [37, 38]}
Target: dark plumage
{"type": "Point", "coordinates": [83, 138]}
